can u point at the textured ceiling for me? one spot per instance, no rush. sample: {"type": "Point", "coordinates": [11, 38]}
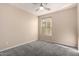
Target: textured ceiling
{"type": "Point", "coordinates": [30, 7]}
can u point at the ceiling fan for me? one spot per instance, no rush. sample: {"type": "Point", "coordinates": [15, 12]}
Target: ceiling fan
{"type": "Point", "coordinates": [42, 7]}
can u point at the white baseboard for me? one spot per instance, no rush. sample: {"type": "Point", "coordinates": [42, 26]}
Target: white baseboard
{"type": "Point", "coordinates": [16, 45]}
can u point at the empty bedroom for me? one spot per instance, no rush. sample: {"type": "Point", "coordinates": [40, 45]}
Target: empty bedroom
{"type": "Point", "coordinates": [39, 29]}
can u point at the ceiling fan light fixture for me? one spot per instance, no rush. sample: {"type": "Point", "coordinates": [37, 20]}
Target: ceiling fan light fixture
{"type": "Point", "coordinates": [41, 8]}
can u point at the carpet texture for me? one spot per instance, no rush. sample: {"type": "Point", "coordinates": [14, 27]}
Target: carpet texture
{"type": "Point", "coordinates": [40, 48]}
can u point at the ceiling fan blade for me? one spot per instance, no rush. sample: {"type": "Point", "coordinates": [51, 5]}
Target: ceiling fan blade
{"type": "Point", "coordinates": [37, 9]}
{"type": "Point", "coordinates": [47, 8]}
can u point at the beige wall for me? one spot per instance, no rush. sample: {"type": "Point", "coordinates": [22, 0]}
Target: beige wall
{"type": "Point", "coordinates": [78, 23]}
{"type": "Point", "coordinates": [16, 26]}
{"type": "Point", "coordinates": [64, 27]}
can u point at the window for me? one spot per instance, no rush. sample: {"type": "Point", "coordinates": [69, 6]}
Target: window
{"type": "Point", "coordinates": [46, 26]}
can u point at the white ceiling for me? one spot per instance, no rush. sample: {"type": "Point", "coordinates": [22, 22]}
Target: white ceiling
{"type": "Point", "coordinates": [30, 7]}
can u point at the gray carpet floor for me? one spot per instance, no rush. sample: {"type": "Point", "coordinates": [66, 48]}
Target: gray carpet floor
{"type": "Point", "coordinates": [40, 48]}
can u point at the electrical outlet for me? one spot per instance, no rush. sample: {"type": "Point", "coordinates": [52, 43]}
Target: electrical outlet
{"type": "Point", "coordinates": [7, 43]}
